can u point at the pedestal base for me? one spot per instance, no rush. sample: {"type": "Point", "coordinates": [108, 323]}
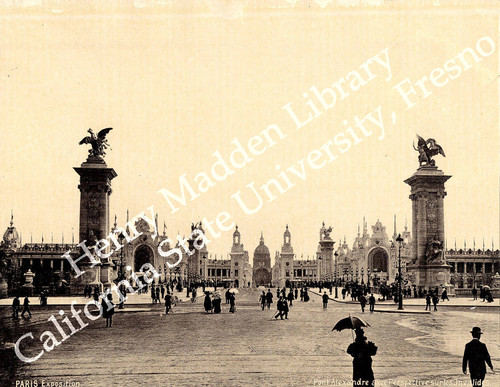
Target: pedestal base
{"type": "Point", "coordinates": [430, 276]}
{"type": "Point", "coordinates": [89, 277]}
{"type": "Point", "coordinates": [107, 275]}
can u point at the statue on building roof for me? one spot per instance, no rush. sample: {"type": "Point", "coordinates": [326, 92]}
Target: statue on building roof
{"type": "Point", "coordinates": [427, 149]}
{"type": "Point", "coordinates": [98, 143]}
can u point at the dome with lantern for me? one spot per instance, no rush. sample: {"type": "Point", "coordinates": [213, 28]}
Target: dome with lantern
{"type": "Point", "coordinates": [11, 236]}
{"type": "Point", "coordinates": [261, 249]}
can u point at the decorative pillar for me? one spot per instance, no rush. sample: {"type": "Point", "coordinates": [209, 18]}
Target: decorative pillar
{"type": "Point", "coordinates": [326, 251]}
{"type": "Point", "coordinates": [95, 190]}
{"type": "Point", "coordinates": [427, 193]}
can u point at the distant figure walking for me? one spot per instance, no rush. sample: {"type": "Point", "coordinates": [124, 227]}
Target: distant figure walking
{"type": "Point", "coordinates": [444, 295]}
{"type": "Point", "coordinates": [371, 301]}
{"type": "Point", "coordinates": [290, 297]}
{"type": "Point", "coordinates": [306, 296]}
{"type": "Point", "coordinates": [362, 352]}
{"type": "Point", "coordinates": [26, 307]}
{"type": "Point", "coordinates": [216, 303]}
{"type": "Point", "coordinates": [474, 293]}
{"type": "Point", "coordinates": [108, 309]}
{"type": "Point", "coordinates": [476, 355]}
{"type": "Point", "coordinates": [428, 302]}
{"type": "Point", "coordinates": [153, 295]}
{"type": "Point", "coordinates": [269, 299]}
{"type": "Point", "coordinates": [284, 307]}
{"type": "Point", "coordinates": [232, 300]}
{"type": "Point", "coordinates": [279, 313]}
{"type": "Point", "coordinates": [362, 302]}
{"type": "Point", "coordinates": [157, 293]}
{"type": "Point", "coordinates": [262, 300]}
{"type": "Point", "coordinates": [96, 296]}
{"type": "Point", "coordinates": [168, 303]}
{"type": "Point", "coordinates": [325, 300]}
{"type": "Point", "coordinates": [15, 307]}
{"type": "Point", "coordinates": [435, 300]}
{"type": "Point", "coordinates": [207, 303]}
{"type": "Point", "coordinates": [43, 298]}
{"type": "Point", "coordinates": [296, 293]}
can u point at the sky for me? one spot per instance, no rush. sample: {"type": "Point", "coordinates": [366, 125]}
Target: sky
{"type": "Point", "coordinates": [180, 84]}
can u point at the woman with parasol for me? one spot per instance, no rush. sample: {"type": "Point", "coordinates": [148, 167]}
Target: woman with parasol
{"type": "Point", "coordinates": [361, 350]}
{"type": "Point", "coordinates": [207, 303]}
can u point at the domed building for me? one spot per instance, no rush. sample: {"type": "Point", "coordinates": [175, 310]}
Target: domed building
{"type": "Point", "coordinates": [11, 236]}
{"type": "Point", "coordinates": [262, 264]}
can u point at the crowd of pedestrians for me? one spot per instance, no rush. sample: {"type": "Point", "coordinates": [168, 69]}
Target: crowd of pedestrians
{"type": "Point", "coordinates": [475, 357]}
{"type": "Point", "coordinates": [212, 302]}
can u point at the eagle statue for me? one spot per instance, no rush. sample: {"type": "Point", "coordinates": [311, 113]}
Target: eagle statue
{"type": "Point", "coordinates": [98, 143]}
{"type": "Point", "coordinates": [426, 150]}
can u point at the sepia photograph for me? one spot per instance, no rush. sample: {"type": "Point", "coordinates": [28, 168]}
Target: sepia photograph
{"type": "Point", "coordinates": [249, 193]}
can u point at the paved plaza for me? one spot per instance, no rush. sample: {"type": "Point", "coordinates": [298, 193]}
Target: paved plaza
{"type": "Point", "coordinates": [191, 348]}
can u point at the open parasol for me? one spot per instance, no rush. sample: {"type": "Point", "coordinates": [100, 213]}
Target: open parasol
{"type": "Point", "coordinates": [350, 322]}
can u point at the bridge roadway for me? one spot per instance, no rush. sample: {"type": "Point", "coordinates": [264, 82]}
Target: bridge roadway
{"type": "Point", "coordinates": [190, 347]}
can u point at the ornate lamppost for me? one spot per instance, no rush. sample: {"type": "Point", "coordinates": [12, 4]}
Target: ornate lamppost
{"type": "Point", "coordinates": [215, 288]}
{"type": "Point", "coordinates": [362, 276]}
{"type": "Point", "coordinates": [121, 275]}
{"type": "Point", "coordinates": [336, 268]}
{"type": "Point", "coordinates": [318, 277]}
{"type": "Point", "coordinates": [399, 239]}
{"type": "Point", "coordinates": [204, 269]}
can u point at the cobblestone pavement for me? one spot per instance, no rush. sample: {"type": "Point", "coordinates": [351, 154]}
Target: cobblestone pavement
{"type": "Point", "coordinates": [191, 348]}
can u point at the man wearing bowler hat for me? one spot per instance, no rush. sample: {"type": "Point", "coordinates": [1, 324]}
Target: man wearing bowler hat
{"type": "Point", "coordinates": [476, 354]}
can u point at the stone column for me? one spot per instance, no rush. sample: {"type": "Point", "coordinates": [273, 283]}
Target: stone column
{"type": "Point", "coordinates": [427, 194]}
{"type": "Point", "coordinates": [95, 190]}
{"type": "Point", "coordinates": [326, 256]}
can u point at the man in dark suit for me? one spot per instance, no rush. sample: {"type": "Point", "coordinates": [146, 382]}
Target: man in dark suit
{"type": "Point", "coordinates": [279, 306]}
{"type": "Point", "coordinates": [325, 300]}
{"type": "Point", "coordinates": [269, 299]}
{"type": "Point", "coordinates": [476, 354]}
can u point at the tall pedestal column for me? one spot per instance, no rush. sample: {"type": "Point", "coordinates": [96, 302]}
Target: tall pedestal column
{"type": "Point", "coordinates": [95, 190]}
{"type": "Point", "coordinates": [326, 250]}
{"type": "Point", "coordinates": [428, 264]}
